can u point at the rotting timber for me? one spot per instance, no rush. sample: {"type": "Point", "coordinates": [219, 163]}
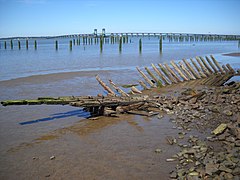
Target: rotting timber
{"type": "Point", "coordinates": [206, 72]}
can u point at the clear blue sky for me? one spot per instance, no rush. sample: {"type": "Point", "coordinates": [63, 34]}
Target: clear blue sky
{"type": "Point", "coordinates": [56, 17]}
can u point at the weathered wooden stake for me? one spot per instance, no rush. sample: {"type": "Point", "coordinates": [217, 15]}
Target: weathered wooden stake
{"type": "Point", "coordinates": [160, 44]}
{"type": "Point", "coordinates": [211, 64]}
{"type": "Point", "coordinates": [120, 45]}
{"type": "Point", "coordinates": [11, 44]}
{"type": "Point", "coordinates": [146, 78]}
{"type": "Point", "coordinates": [108, 89]}
{"type": "Point", "coordinates": [70, 45]}
{"type": "Point", "coordinates": [217, 64]}
{"type": "Point", "coordinates": [157, 81]}
{"type": "Point", "coordinates": [5, 44]}
{"type": "Point", "coordinates": [161, 75]}
{"type": "Point", "coordinates": [56, 45]}
{"type": "Point", "coordinates": [198, 68]}
{"type": "Point", "coordinates": [191, 69]}
{"type": "Point", "coordinates": [206, 65]}
{"type": "Point", "coordinates": [202, 67]}
{"type": "Point", "coordinates": [19, 45]}
{"type": "Point", "coordinates": [168, 75]}
{"type": "Point", "coordinates": [26, 44]}
{"type": "Point", "coordinates": [101, 44]}
{"type": "Point", "coordinates": [140, 46]}
{"type": "Point", "coordinates": [175, 66]}
{"type": "Point", "coordinates": [35, 44]}
{"type": "Point", "coordinates": [172, 72]}
{"type": "Point", "coordinates": [118, 89]}
{"type": "Point", "coordinates": [143, 85]}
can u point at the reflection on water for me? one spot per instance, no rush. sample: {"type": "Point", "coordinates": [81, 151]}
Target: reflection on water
{"type": "Point", "coordinates": [78, 113]}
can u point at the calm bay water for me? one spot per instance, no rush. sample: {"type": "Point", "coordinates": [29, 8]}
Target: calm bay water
{"type": "Point", "coordinates": [15, 63]}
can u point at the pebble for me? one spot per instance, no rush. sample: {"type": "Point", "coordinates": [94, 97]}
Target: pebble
{"type": "Point", "coordinates": [52, 157]}
{"type": "Point", "coordinates": [158, 150]}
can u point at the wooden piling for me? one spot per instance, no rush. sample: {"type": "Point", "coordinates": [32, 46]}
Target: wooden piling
{"type": "Point", "coordinates": [19, 44]}
{"type": "Point", "coordinates": [146, 78]}
{"type": "Point", "coordinates": [172, 73]}
{"type": "Point", "coordinates": [120, 45]}
{"type": "Point", "coordinates": [197, 76]}
{"type": "Point", "coordinates": [101, 44]}
{"type": "Point", "coordinates": [168, 75]}
{"type": "Point", "coordinates": [5, 44]}
{"type": "Point", "coordinates": [140, 46]}
{"type": "Point", "coordinates": [175, 66]}
{"type": "Point", "coordinates": [70, 45]}
{"type": "Point", "coordinates": [27, 44]}
{"type": "Point", "coordinates": [211, 64]}
{"type": "Point", "coordinates": [206, 65]}
{"type": "Point", "coordinates": [161, 75]}
{"type": "Point", "coordinates": [217, 64]}
{"type": "Point", "coordinates": [160, 44]}
{"type": "Point", "coordinates": [35, 44]}
{"type": "Point", "coordinates": [11, 44]}
{"type": "Point", "coordinates": [56, 45]}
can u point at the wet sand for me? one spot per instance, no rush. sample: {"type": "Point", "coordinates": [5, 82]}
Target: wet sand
{"type": "Point", "coordinates": [107, 148]}
{"type": "Point", "coordinates": [237, 54]}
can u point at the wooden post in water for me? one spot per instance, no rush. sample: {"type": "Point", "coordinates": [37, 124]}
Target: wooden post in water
{"type": "Point", "coordinates": [140, 46]}
{"type": "Point", "coordinates": [101, 44]}
{"type": "Point", "coordinates": [11, 44]}
{"type": "Point", "coordinates": [56, 45]}
{"type": "Point", "coordinates": [120, 45]}
{"type": "Point", "coordinates": [19, 44]}
{"type": "Point", "coordinates": [27, 44]}
{"type": "Point", "coordinates": [35, 44]}
{"type": "Point", "coordinates": [70, 45]}
{"type": "Point", "coordinates": [5, 44]}
{"type": "Point", "coordinates": [160, 44]}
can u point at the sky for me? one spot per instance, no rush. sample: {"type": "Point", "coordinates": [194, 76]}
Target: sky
{"type": "Point", "coordinates": [58, 17]}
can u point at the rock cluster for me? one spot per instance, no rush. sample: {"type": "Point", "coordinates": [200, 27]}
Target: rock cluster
{"type": "Point", "coordinates": [214, 114]}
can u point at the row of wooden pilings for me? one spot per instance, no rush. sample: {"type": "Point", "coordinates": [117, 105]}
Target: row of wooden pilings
{"type": "Point", "coordinates": [86, 40]}
{"type": "Point", "coordinates": [203, 71]}
{"type": "Point", "coordinates": [206, 68]}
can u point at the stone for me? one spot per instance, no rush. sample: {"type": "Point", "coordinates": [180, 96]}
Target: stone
{"type": "Point", "coordinates": [211, 168]}
{"type": "Point", "coordinates": [158, 150]}
{"type": "Point", "coordinates": [193, 173]}
{"type": "Point", "coordinates": [220, 129]}
{"type": "Point", "coordinates": [225, 169]}
{"type": "Point", "coordinates": [170, 160]}
{"type": "Point", "coordinates": [52, 157]}
{"type": "Point", "coordinates": [228, 112]}
{"type": "Point", "coordinates": [173, 175]}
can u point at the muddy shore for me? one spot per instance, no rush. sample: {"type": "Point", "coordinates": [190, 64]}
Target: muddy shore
{"type": "Point", "coordinates": [129, 146]}
{"type": "Point", "coordinates": [59, 142]}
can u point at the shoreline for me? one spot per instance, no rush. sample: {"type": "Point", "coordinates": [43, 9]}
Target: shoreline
{"type": "Point", "coordinates": [234, 54]}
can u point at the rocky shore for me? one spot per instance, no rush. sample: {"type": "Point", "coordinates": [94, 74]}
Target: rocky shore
{"type": "Point", "coordinates": [214, 114]}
